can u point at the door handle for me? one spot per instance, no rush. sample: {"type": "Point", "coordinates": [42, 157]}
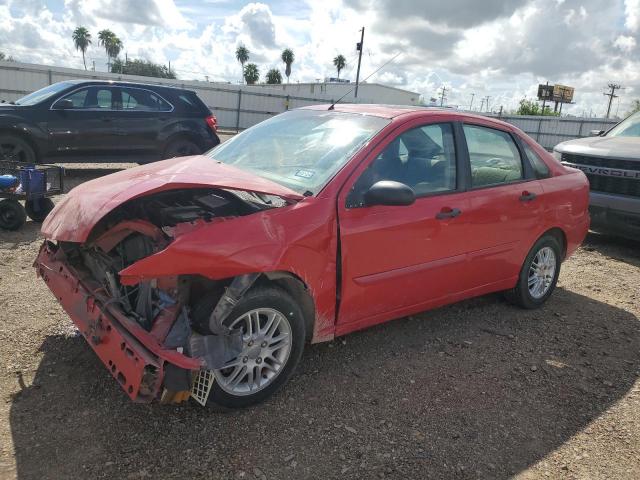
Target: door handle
{"type": "Point", "coordinates": [527, 196]}
{"type": "Point", "coordinates": [447, 212]}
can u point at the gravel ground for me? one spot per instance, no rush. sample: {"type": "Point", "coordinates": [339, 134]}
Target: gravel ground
{"type": "Point", "coordinates": [479, 389]}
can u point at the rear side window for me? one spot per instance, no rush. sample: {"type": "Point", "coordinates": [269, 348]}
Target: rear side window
{"type": "Point", "coordinates": [137, 99]}
{"type": "Point", "coordinates": [539, 167]}
{"type": "Point", "coordinates": [493, 155]}
{"type": "Point", "coordinates": [192, 103]}
{"type": "Point", "coordinates": [104, 97]}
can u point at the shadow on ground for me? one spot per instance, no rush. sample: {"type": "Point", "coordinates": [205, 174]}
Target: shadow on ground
{"type": "Point", "coordinates": [477, 390]}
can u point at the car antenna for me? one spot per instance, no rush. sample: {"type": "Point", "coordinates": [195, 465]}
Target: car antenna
{"type": "Point", "coordinates": [331, 107]}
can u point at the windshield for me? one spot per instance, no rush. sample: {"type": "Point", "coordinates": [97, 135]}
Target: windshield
{"type": "Point", "coordinates": [629, 127]}
{"type": "Point", "coordinates": [300, 149]}
{"type": "Point", "coordinates": [42, 94]}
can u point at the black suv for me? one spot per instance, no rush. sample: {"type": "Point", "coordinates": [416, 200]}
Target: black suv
{"type": "Point", "coordinates": [99, 121]}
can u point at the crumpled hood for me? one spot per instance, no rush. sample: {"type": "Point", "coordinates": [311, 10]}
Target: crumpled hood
{"type": "Point", "coordinates": [75, 216]}
{"type": "Point", "coordinates": [607, 147]}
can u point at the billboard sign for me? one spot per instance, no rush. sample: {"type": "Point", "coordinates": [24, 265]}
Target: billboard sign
{"type": "Point", "coordinates": [555, 93]}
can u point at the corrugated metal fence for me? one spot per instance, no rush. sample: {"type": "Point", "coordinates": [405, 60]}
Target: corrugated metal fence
{"type": "Point", "coordinates": [240, 106]}
{"type": "Point", "coordinates": [549, 131]}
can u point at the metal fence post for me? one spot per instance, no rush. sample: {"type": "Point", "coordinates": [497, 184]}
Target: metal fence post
{"type": "Point", "coordinates": [539, 130]}
{"type": "Point", "coordinates": [238, 112]}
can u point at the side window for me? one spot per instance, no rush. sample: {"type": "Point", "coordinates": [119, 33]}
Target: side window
{"type": "Point", "coordinates": [493, 155]}
{"type": "Point", "coordinates": [539, 167]}
{"type": "Point", "coordinates": [103, 98]}
{"type": "Point", "coordinates": [78, 98]}
{"type": "Point", "coordinates": [423, 158]}
{"type": "Point", "coordinates": [136, 99]}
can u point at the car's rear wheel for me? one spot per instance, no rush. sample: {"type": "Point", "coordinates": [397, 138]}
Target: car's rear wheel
{"type": "Point", "coordinates": [16, 149]}
{"type": "Point", "coordinates": [12, 214]}
{"type": "Point", "coordinates": [181, 147]}
{"type": "Point", "coordinates": [539, 274]}
{"type": "Point", "coordinates": [37, 210]}
{"type": "Point", "coordinates": [273, 332]}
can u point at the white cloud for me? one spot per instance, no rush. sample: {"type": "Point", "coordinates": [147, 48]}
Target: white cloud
{"type": "Point", "coordinates": [497, 48]}
{"type": "Point", "coordinates": [632, 13]}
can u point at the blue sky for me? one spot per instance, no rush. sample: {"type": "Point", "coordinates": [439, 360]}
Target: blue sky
{"type": "Point", "coordinates": [497, 48]}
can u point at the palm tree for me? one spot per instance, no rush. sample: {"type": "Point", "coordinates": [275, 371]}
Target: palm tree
{"type": "Point", "coordinates": [288, 57]}
{"type": "Point", "coordinates": [242, 55]}
{"type": "Point", "coordinates": [112, 44]}
{"type": "Point", "coordinates": [274, 77]}
{"type": "Point", "coordinates": [339, 62]}
{"type": "Point", "coordinates": [82, 40]}
{"type": "Point", "coordinates": [251, 73]}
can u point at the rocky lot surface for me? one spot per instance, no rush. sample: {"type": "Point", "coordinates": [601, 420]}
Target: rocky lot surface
{"type": "Point", "coordinates": [480, 389]}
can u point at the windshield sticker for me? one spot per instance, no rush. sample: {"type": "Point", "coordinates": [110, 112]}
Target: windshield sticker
{"type": "Point", "coordinates": [305, 173]}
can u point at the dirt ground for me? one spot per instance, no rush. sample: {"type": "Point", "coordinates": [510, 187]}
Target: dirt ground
{"type": "Point", "coordinates": [480, 389]}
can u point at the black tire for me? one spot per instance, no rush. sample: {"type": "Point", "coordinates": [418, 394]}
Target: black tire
{"type": "Point", "coordinates": [16, 149]}
{"type": "Point", "coordinates": [12, 214]}
{"type": "Point", "coordinates": [520, 294]}
{"type": "Point", "coordinates": [181, 147]}
{"type": "Point", "coordinates": [258, 297]}
{"type": "Point", "coordinates": [44, 206]}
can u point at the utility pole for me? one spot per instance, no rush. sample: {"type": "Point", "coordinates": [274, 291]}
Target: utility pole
{"type": "Point", "coordinates": [359, 48]}
{"type": "Point", "coordinates": [471, 104]}
{"type": "Point", "coordinates": [481, 104]}
{"type": "Point", "coordinates": [611, 95]}
{"type": "Point", "coordinates": [442, 97]}
{"type": "Point", "coordinates": [488, 97]}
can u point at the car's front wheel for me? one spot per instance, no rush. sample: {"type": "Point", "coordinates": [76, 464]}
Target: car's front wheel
{"type": "Point", "coordinates": [539, 274]}
{"type": "Point", "coordinates": [273, 333]}
{"type": "Point", "coordinates": [181, 147]}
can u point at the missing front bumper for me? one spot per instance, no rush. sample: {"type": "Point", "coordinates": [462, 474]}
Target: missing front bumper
{"type": "Point", "coordinates": [133, 357]}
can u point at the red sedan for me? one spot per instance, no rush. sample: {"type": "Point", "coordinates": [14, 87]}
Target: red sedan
{"type": "Point", "coordinates": [206, 275]}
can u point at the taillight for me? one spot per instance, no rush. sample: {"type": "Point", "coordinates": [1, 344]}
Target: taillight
{"type": "Point", "coordinates": [212, 121]}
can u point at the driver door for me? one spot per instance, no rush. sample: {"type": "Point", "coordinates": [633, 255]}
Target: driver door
{"type": "Point", "coordinates": [397, 259]}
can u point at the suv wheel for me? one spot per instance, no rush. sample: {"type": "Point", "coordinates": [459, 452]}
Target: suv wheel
{"type": "Point", "coordinates": [539, 274]}
{"type": "Point", "coordinates": [273, 331]}
{"type": "Point", "coordinates": [16, 149]}
{"type": "Point", "coordinates": [181, 148]}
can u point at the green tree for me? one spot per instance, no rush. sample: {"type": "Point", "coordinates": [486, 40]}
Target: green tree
{"type": "Point", "coordinates": [251, 73]}
{"type": "Point", "coordinates": [242, 55]}
{"type": "Point", "coordinates": [530, 107]}
{"type": "Point", "coordinates": [141, 67]}
{"type": "Point", "coordinates": [287, 57]}
{"type": "Point", "coordinates": [82, 40]}
{"type": "Point", "coordinates": [112, 45]}
{"type": "Point", "coordinates": [635, 106]}
{"type": "Point", "coordinates": [274, 77]}
{"type": "Point", "coordinates": [6, 58]}
{"type": "Point", "coordinates": [339, 62]}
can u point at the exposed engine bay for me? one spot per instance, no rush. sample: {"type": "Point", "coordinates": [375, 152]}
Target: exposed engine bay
{"type": "Point", "coordinates": [145, 226]}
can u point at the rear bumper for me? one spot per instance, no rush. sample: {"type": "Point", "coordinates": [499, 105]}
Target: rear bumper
{"type": "Point", "coordinates": [132, 356]}
{"type": "Point", "coordinates": [615, 214]}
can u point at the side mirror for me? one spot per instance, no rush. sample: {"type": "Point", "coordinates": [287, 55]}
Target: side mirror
{"type": "Point", "coordinates": [64, 104]}
{"type": "Point", "coordinates": [388, 192]}
{"type": "Point", "coordinates": [596, 133]}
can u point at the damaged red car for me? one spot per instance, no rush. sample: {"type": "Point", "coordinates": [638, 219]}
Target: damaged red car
{"type": "Point", "coordinates": [205, 276]}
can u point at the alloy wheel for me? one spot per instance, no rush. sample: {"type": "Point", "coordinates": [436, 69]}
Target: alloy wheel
{"type": "Point", "coordinates": [542, 272]}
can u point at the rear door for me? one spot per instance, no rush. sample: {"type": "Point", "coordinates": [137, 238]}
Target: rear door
{"type": "Point", "coordinates": [87, 129]}
{"type": "Point", "coordinates": [505, 206]}
{"type": "Point", "coordinates": [139, 118]}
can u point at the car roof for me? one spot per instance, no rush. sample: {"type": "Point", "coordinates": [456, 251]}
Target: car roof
{"type": "Point", "coordinates": [123, 84]}
{"type": "Point", "coordinates": [393, 111]}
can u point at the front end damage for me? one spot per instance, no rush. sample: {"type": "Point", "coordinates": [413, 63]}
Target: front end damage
{"type": "Point", "coordinates": [143, 331]}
